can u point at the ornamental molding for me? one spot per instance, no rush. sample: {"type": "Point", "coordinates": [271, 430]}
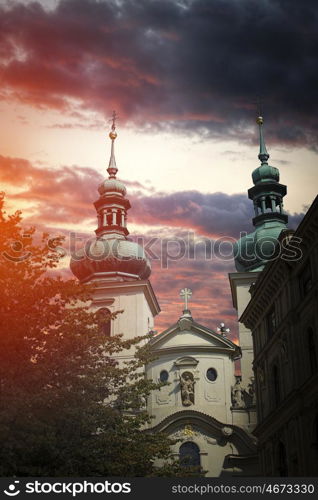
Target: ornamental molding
{"type": "Point", "coordinates": [186, 361]}
{"type": "Point", "coordinates": [206, 425]}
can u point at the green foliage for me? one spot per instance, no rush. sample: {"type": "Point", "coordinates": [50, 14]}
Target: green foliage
{"type": "Point", "coordinates": [66, 408]}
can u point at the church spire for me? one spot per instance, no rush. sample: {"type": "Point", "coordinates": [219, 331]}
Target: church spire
{"type": "Point", "coordinates": [254, 250]}
{"type": "Point", "coordinates": [112, 167]}
{"type": "Point", "coordinates": [267, 193]}
{"type": "Point", "coordinates": [111, 255]}
{"type": "Point", "coordinates": [263, 154]}
{"type": "Point", "coordinates": [112, 205]}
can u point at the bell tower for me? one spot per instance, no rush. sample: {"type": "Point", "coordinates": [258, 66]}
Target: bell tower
{"type": "Point", "coordinates": [252, 251]}
{"type": "Point", "coordinates": [117, 265]}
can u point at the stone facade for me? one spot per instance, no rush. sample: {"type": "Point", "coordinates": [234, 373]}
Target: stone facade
{"type": "Point", "coordinates": [283, 317]}
{"type": "Point", "coordinates": [203, 401]}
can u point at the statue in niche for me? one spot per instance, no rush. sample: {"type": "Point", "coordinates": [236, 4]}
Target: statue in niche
{"type": "Point", "coordinates": [237, 394]}
{"type": "Point", "coordinates": [187, 389]}
{"type": "Point", "coordinates": [251, 391]}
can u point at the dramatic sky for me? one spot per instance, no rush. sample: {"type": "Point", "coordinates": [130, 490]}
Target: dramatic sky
{"type": "Point", "coordinates": [184, 77]}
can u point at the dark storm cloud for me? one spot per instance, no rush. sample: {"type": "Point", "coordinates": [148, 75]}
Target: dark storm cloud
{"type": "Point", "coordinates": [212, 214]}
{"type": "Point", "coordinates": [192, 66]}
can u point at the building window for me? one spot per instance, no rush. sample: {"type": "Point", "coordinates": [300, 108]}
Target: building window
{"type": "Point", "coordinates": [294, 466]}
{"type": "Point", "coordinates": [305, 279]}
{"type": "Point", "coordinates": [211, 374]}
{"type": "Point", "coordinates": [282, 460]}
{"type": "Point", "coordinates": [311, 346]}
{"type": "Point", "coordinates": [104, 321]}
{"type": "Point", "coordinates": [315, 433]}
{"type": "Point", "coordinates": [164, 375]}
{"type": "Point", "coordinates": [189, 453]}
{"type": "Point", "coordinates": [271, 322]}
{"type": "Point", "coordinates": [276, 385]}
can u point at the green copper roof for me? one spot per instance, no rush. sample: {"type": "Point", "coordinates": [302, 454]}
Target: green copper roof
{"type": "Point", "coordinates": [252, 251]}
{"type": "Point", "coordinates": [263, 154]}
{"type": "Point", "coordinates": [265, 173]}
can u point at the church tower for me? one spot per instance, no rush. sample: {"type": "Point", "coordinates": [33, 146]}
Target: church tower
{"type": "Point", "coordinates": [116, 265]}
{"type": "Point", "coordinates": [252, 251]}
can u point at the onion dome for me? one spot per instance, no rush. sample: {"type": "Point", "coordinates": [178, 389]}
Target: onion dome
{"type": "Point", "coordinates": [111, 255]}
{"type": "Point", "coordinates": [265, 173]}
{"type": "Point", "coordinates": [109, 186]}
{"type": "Point", "coordinates": [252, 251]}
{"type": "Point", "coordinates": [111, 258]}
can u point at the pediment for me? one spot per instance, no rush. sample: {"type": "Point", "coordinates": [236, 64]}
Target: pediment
{"type": "Point", "coordinates": [192, 336]}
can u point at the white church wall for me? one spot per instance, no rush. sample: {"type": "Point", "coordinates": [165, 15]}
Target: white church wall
{"type": "Point", "coordinates": [210, 397]}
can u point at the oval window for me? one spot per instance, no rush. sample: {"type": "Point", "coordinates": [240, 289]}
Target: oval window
{"type": "Point", "coordinates": [211, 374]}
{"type": "Point", "coordinates": [164, 375]}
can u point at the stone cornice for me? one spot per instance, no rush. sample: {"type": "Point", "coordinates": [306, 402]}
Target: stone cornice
{"type": "Point", "coordinates": [206, 422]}
{"type": "Point", "coordinates": [133, 286]}
{"type": "Point", "coordinates": [225, 345]}
{"type": "Point", "coordinates": [199, 348]}
{"type": "Point", "coordinates": [239, 279]}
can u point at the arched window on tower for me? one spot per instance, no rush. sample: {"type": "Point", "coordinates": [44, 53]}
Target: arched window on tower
{"type": "Point", "coordinates": [104, 321]}
{"type": "Point", "coordinates": [268, 204]}
{"type": "Point", "coordinates": [312, 353]}
{"type": "Point", "coordinates": [109, 218]}
{"type": "Point", "coordinates": [189, 453]}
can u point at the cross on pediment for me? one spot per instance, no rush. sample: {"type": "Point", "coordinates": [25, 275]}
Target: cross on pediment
{"type": "Point", "coordinates": [185, 294]}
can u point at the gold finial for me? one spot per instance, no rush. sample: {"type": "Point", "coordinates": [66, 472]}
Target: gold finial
{"type": "Point", "coordinates": [259, 119]}
{"type": "Point", "coordinates": [113, 133]}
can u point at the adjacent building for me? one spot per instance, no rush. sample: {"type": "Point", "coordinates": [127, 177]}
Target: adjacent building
{"type": "Point", "coordinates": [283, 317]}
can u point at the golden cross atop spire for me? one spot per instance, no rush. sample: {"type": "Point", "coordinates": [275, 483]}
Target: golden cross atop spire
{"type": "Point", "coordinates": [113, 120]}
{"type": "Point", "coordinates": [259, 105]}
{"type": "Point", "coordinates": [113, 133]}
{"type": "Point", "coordinates": [112, 168]}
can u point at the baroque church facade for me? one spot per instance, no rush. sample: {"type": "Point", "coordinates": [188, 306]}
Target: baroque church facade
{"type": "Point", "coordinates": [211, 411]}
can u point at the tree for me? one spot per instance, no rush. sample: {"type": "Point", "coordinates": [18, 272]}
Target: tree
{"type": "Point", "coordinates": [65, 405]}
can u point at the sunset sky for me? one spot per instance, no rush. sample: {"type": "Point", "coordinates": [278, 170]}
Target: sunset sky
{"type": "Point", "coordinates": [184, 77]}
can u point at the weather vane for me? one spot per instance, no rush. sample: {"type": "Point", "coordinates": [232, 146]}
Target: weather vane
{"type": "Point", "coordinates": [185, 294]}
